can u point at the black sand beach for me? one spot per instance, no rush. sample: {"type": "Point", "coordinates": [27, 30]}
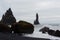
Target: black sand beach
{"type": "Point", "coordinates": [8, 36]}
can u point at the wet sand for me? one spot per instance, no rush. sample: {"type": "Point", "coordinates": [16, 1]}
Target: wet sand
{"type": "Point", "coordinates": [8, 36]}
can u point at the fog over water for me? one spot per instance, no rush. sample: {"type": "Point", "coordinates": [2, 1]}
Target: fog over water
{"type": "Point", "coordinates": [48, 10]}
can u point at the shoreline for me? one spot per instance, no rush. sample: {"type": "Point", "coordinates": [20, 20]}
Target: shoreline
{"type": "Point", "coordinates": [8, 36]}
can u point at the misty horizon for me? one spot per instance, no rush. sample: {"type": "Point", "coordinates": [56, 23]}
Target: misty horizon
{"type": "Point", "coordinates": [48, 10]}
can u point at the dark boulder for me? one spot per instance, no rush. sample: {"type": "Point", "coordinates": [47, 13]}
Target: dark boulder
{"type": "Point", "coordinates": [4, 28]}
{"type": "Point", "coordinates": [8, 17]}
{"type": "Point", "coordinates": [36, 21]}
{"type": "Point", "coordinates": [22, 27]}
{"type": "Point", "coordinates": [44, 30]}
{"type": "Point", "coordinates": [54, 33]}
{"type": "Point", "coordinates": [57, 33]}
{"type": "Point", "coordinates": [51, 32]}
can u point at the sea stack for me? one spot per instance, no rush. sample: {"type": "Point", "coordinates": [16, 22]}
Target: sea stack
{"type": "Point", "coordinates": [36, 22]}
{"type": "Point", "coordinates": [8, 18]}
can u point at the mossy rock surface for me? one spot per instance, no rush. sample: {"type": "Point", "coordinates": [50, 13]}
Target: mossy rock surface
{"type": "Point", "coordinates": [22, 27]}
{"type": "Point", "coordinates": [4, 28]}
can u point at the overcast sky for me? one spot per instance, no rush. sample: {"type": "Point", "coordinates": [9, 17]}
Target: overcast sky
{"type": "Point", "coordinates": [48, 10]}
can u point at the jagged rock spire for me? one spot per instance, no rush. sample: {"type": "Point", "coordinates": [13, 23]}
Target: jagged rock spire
{"type": "Point", "coordinates": [8, 17]}
{"type": "Point", "coordinates": [36, 21]}
{"type": "Point", "coordinates": [36, 16]}
{"type": "Point", "coordinates": [9, 12]}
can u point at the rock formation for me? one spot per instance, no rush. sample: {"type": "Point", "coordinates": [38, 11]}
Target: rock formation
{"type": "Point", "coordinates": [50, 31]}
{"type": "Point", "coordinates": [4, 28]}
{"type": "Point", "coordinates": [22, 27]}
{"type": "Point", "coordinates": [57, 33]}
{"type": "Point", "coordinates": [8, 17]}
{"type": "Point", "coordinates": [44, 30]}
{"type": "Point", "coordinates": [36, 21]}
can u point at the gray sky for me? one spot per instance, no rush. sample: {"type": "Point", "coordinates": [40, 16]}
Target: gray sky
{"type": "Point", "coordinates": [48, 10]}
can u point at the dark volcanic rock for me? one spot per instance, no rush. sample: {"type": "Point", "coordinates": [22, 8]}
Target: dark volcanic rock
{"type": "Point", "coordinates": [22, 27]}
{"type": "Point", "coordinates": [44, 30]}
{"type": "Point", "coordinates": [36, 21]}
{"type": "Point", "coordinates": [8, 17]}
{"type": "Point", "coordinates": [57, 33]}
{"type": "Point", "coordinates": [51, 32]}
{"type": "Point", "coordinates": [54, 33]}
{"type": "Point", "coordinates": [4, 28]}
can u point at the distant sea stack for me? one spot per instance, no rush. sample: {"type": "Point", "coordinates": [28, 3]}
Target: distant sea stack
{"type": "Point", "coordinates": [36, 22]}
{"type": "Point", "coordinates": [8, 17]}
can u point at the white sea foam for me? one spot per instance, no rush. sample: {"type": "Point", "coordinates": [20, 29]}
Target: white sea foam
{"type": "Point", "coordinates": [38, 34]}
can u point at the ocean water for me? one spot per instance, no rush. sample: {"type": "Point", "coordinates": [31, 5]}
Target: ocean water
{"type": "Point", "coordinates": [35, 34]}
{"type": "Point", "coordinates": [38, 34]}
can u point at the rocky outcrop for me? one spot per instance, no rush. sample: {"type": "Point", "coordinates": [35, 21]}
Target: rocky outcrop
{"type": "Point", "coordinates": [57, 33]}
{"type": "Point", "coordinates": [22, 27]}
{"type": "Point", "coordinates": [36, 21]}
{"type": "Point", "coordinates": [8, 17]}
{"type": "Point", "coordinates": [4, 28]}
{"type": "Point", "coordinates": [50, 31]}
{"type": "Point", "coordinates": [54, 33]}
{"type": "Point", "coordinates": [44, 30]}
